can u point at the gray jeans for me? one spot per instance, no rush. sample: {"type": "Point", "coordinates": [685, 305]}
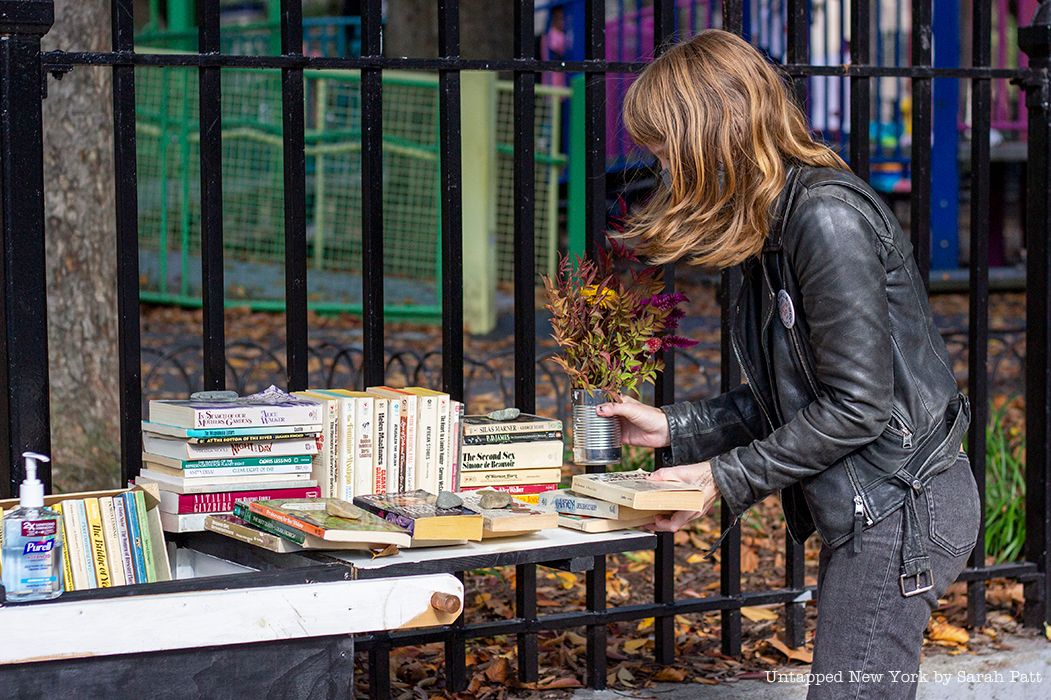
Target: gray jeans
{"type": "Point", "coordinates": [869, 635]}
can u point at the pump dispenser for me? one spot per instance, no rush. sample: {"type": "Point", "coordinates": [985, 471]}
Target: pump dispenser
{"type": "Point", "coordinates": [32, 547]}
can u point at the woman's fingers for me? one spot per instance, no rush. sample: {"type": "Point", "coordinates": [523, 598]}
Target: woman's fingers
{"type": "Point", "coordinates": [673, 522]}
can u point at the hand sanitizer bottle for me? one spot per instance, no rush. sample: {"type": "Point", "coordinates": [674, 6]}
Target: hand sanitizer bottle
{"type": "Point", "coordinates": [32, 553]}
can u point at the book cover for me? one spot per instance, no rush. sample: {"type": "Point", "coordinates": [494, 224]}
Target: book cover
{"type": "Point", "coordinates": [145, 536]}
{"type": "Point", "coordinates": [396, 453]}
{"type": "Point", "coordinates": [235, 528]}
{"type": "Point", "coordinates": [151, 463]}
{"type": "Point", "coordinates": [109, 534]}
{"type": "Point", "coordinates": [365, 442]}
{"type": "Point", "coordinates": [269, 408]}
{"type": "Point", "coordinates": [85, 549]}
{"type": "Point", "coordinates": [515, 489]}
{"type": "Point", "coordinates": [532, 499]}
{"type": "Point", "coordinates": [348, 417]}
{"type": "Point", "coordinates": [67, 565]}
{"type": "Point", "coordinates": [195, 486]}
{"type": "Point", "coordinates": [73, 545]}
{"type": "Point", "coordinates": [416, 512]}
{"type": "Point", "coordinates": [566, 501]}
{"type": "Point", "coordinates": [634, 490]}
{"type": "Point", "coordinates": [497, 477]}
{"type": "Point", "coordinates": [135, 537]}
{"type": "Point", "coordinates": [585, 524]}
{"type": "Point", "coordinates": [512, 438]}
{"type": "Point", "coordinates": [174, 448]}
{"type": "Point", "coordinates": [231, 463]}
{"type": "Point", "coordinates": [310, 516]}
{"type": "Point", "coordinates": [524, 423]}
{"type": "Point", "coordinates": [382, 444]}
{"type": "Point", "coordinates": [410, 417]}
{"type": "Point", "coordinates": [329, 459]}
{"type": "Point", "coordinates": [442, 456]}
{"type": "Point", "coordinates": [127, 558]}
{"type": "Point", "coordinates": [522, 455]}
{"type": "Point", "coordinates": [426, 437]}
{"type": "Point", "coordinates": [242, 511]}
{"type": "Point", "coordinates": [517, 517]}
{"type": "Point", "coordinates": [205, 436]}
{"type": "Point", "coordinates": [223, 501]}
{"type": "Point", "coordinates": [456, 441]}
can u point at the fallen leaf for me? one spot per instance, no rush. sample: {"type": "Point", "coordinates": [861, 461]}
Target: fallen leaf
{"type": "Point", "coordinates": [644, 624]}
{"type": "Point", "coordinates": [633, 645]}
{"type": "Point", "coordinates": [567, 579]}
{"type": "Point", "coordinates": [695, 559]}
{"type": "Point", "coordinates": [945, 632]}
{"type": "Point", "coordinates": [498, 671]}
{"type": "Point", "coordinates": [800, 654]}
{"type": "Point", "coordinates": [626, 677]}
{"type": "Point", "coordinates": [1047, 631]}
{"type": "Point", "coordinates": [670, 674]}
{"type": "Point", "coordinates": [749, 560]}
{"type": "Point", "coordinates": [757, 614]}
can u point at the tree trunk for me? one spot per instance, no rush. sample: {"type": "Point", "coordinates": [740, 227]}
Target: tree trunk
{"type": "Point", "coordinates": [81, 256]}
{"type": "Point", "coordinates": [485, 28]}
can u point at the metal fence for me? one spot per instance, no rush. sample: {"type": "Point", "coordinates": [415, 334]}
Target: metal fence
{"type": "Point", "coordinates": [24, 422]}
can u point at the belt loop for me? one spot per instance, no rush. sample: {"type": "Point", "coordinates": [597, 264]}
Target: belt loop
{"type": "Point", "coordinates": [915, 562]}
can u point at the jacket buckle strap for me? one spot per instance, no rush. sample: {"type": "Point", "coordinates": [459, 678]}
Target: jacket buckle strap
{"type": "Point", "coordinates": [926, 586]}
{"type": "Point", "coordinates": [711, 550]}
{"type": "Point", "coordinates": [915, 562]}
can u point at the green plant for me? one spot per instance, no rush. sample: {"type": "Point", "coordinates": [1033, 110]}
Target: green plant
{"type": "Point", "coordinates": [1004, 489]}
{"type": "Point", "coordinates": [611, 325]}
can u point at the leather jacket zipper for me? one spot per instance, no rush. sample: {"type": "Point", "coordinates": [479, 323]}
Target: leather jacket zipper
{"type": "Point", "coordinates": [859, 518]}
{"type": "Point", "coordinates": [904, 431]}
{"type": "Point", "coordinates": [751, 382]}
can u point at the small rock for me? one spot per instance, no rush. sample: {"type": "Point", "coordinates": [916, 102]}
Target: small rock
{"type": "Point", "coordinates": [342, 509]}
{"type": "Point", "coordinates": [494, 499]}
{"type": "Point", "coordinates": [505, 414]}
{"type": "Point", "coordinates": [448, 499]}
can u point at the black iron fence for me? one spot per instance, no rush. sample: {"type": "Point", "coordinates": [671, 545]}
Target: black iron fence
{"type": "Point", "coordinates": [24, 422]}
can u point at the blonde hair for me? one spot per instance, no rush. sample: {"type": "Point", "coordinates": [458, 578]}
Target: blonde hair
{"type": "Point", "coordinates": [716, 104]}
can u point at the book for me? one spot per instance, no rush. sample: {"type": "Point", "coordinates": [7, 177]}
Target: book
{"type": "Point", "coordinates": [329, 460]}
{"type": "Point", "coordinates": [511, 438]}
{"type": "Point", "coordinates": [426, 437]}
{"type": "Point", "coordinates": [135, 537]}
{"type": "Point", "coordinates": [188, 486]}
{"type": "Point", "coordinates": [532, 499]}
{"type": "Point", "coordinates": [566, 501]}
{"type": "Point", "coordinates": [84, 546]}
{"type": "Point", "coordinates": [223, 501]}
{"type": "Point", "coordinates": [522, 455]}
{"type": "Point", "coordinates": [524, 423]}
{"type": "Point", "coordinates": [235, 528]}
{"type": "Point", "coordinates": [175, 448]}
{"type": "Point", "coordinates": [78, 576]}
{"type": "Point", "coordinates": [184, 522]}
{"type": "Point", "coordinates": [364, 445]}
{"type": "Point", "coordinates": [396, 451]}
{"type": "Point", "coordinates": [415, 511]}
{"type": "Point", "coordinates": [382, 444]}
{"type": "Point", "coordinates": [67, 565]}
{"type": "Point", "coordinates": [310, 516]}
{"type": "Point", "coordinates": [456, 409]}
{"type": "Point", "coordinates": [109, 533]}
{"type": "Point", "coordinates": [490, 477]}
{"type": "Point", "coordinates": [634, 490]}
{"type": "Point", "coordinates": [585, 524]}
{"type": "Point", "coordinates": [409, 432]}
{"type": "Point", "coordinates": [442, 467]}
{"type": "Point", "coordinates": [145, 536]}
{"type": "Point", "coordinates": [346, 476]}
{"type": "Point", "coordinates": [517, 517]}
{"type": "Point", "coordinates": [216, 436]}
{"type": "Point", "coordinates": [242, 511]}
{"type": "Point", "coordinates": [270, 408]}
{"type": "Point", "coordinates": [230, 463]}
{"type": "Point", "coordinates": [155, 466]}
{"type": "Point", "coordinates": [127, 558]}
{"type": "Point", "coordinates": [515, 489]}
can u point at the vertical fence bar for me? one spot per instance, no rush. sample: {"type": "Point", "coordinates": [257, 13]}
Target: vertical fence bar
{"type": "Point", "coordinates": [920, 200]}
{"type": "Point", "coordinates": [452, 266]}
{"type": "Point", "coordinates": [525, 297]}
{"type": "Point", "coordinates": [25, 423]}
{"type": "Point", "coordinates": [860, 88]}
{"type": "Point", "coordinates": [211, 159]}
{"type": "Point", "coordinates": [1035, 40]}
{"type": "Point", "coordinates": [122, 13]}
{"type": "Point", "coordinates": [664, 393]}
{"type": "Point", "coordinates": [978, 326]}
{"type": "Point", "coordinates": [295, 189]}
{"type": "Point", "coordinates": [379, 668]}
{"type": "Point", "coordinates": [595, 127]}
{"type": "Point", "coordinates": [372, 196]}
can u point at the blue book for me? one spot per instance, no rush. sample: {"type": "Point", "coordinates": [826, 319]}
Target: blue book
{"type": "Point", "coordinates": [223, 435]}
{"type": "Point", "coordinates": [132, 511]}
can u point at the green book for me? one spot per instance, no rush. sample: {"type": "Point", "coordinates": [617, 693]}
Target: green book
{"type": "Point", "coordinates": [144, 534]}
{"type": "Point", "coordinates": [267, 525]}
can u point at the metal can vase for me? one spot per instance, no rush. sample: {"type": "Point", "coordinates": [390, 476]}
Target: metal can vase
{"type": "Point", "coordinates": [596, 439]}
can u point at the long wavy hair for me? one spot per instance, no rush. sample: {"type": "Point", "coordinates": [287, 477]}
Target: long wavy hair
{"type": "Point", "coordinates": [729, 126]}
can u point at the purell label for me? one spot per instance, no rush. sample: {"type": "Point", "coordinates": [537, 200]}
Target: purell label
{"type": "Point", "coordinates": [39, 547]}
{"type": "Point", "coordinates": [39, 528]}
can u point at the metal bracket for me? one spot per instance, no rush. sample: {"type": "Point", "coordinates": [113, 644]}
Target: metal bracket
{"type": "Point", "coordinates": [57, 70]}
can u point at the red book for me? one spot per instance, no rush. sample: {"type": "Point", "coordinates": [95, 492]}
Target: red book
{"type": "Point", "coordinates": [515, 489]}
{"type": "Point", "coordinates": [224, 502]}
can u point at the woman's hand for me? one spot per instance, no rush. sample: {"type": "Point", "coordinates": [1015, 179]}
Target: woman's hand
{"type": "Point", "coordinates": [641, 425]}
{"type": "Point", "coordinates": [699, 475]}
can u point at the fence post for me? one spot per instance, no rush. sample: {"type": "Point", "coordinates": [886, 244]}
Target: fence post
{"type": "Point", "coordinates": [24, 409]}
{"type": "Point", "coordinates": [1035, 41]}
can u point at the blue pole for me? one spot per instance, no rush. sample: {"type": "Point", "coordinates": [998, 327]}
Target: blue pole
{"type": "Point", "coordinates": [945, 185]}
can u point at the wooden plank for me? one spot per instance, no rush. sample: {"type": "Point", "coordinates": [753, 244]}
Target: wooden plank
{"type": "Point", "coordinates": [219, 618]}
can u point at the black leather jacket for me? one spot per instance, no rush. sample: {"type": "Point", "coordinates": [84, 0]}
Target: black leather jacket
{"type": "Point", "coordinates": [849, 402]}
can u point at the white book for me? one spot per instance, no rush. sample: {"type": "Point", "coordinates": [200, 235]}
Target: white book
{"type": "Point", "coordinates": [410, 418]}
{"type": "Point", "coordinates": [112, 539]}
{"type": "Point", "coordinates": [158, 465]}
{"type": "Point", "coordinates": [345, 460]}
{"type": "Point", "coordinates": [180, 449]}
{"type": "Point", "coordinates": [186, 522]}
{"type": "Point", "coordinates": [74, 541]}
{"type": "Point", "coordinates": [426, 437]}
{"type": "Point", "coordinates": [365, 441]}
{"type": "Point", "coordinates": [270, 410]}
{"type": "Point", "coordinates": [442, 471]}
{"type": "Point", "coordinates": [565, 501]}
{"type": "Point", "coordinates": [326, 461]}
{"type": "Point", "coordinates": [396, 451]}
{"type": "Point", "coordinates": [184, 486]}
{"type": "Point", "coordinates": [456, 412]}
{"type": "Point", "coordinates": [380, 459]}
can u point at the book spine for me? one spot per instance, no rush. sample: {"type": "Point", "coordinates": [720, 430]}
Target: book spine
{"type": "Point", "coordinates": [272, 527]}
{"type": "Point", "coordinates": [285, 519]}
{"type": "Point", "coordinates": [410, 406]}
{"type": "Point", "coordinates": [241, 450]}
{"type": "Point", "coordinates": [69, 517]}
{"type": "Point", "coordinates": [403, 521]}
{"type": "Point", "coordinates": [396, 453]}
{"type": "Point", "coordinates": [347, 438]}
{"type": "Point", "coordinates": [381, 444]}
{"type": "Point", "coordinates": [364, 458]}
{"type": "Point", "coordinates": [575, 505]}
{"type": "Point", "coordinates": [67, 565]}
{"type": "Point", "coordinates": [531, 499]}
{"type": "Point", "coordinates": [147, 538]}
{"type": "Point", "coordinates": [109, 533]}
{"type": "Point", "coordinates": [496, 477]}
{"type": "Point", "coordinates": [456, 440]}
{"type": "Point", "coordinates": [242, 533]}
{"type": "Point", "coordinates": [511, 438]}
{"type": "Point", "coordinates": [515, 489]}
{"type": "Point", "coordinates": [135, 536]}
{"type": "Point", "coordinates": [470, 429]}
{"type": "Point", "coordinates": [427, 444]}
{"type": "Point", "coordinates": [441, 468]}
{"type": "Point", "coordinates": [235, 462]}
{"type": "Point", "coordinates": [524, 456]}
{"type": "Point", "coordinates": [328, 478]}
{"type": "Point", "coordinates": [254, 416]}
{"type": "Point", "coordinates": [220, 435]}
{"type": "Point", "coordinates": [224, 502]}
{"type": "Point", "coordinates": [311, 434]}
{"type": "Point", "coordinates": [86, 549]}
{"type": "Point", "coordinates": [127, 559]}
{"type": "Point", "coordinates": [235, 471]}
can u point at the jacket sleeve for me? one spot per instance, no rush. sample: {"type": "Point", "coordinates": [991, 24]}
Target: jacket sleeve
{"type": "Point", "coordinates": [838, 261]}
{"type": "Point", "coordinates": [699, 430]}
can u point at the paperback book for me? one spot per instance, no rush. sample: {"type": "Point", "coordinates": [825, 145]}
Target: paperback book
{"type": "Point", "coordinates": [310, 515]}
{"type": "Point", "coordinates": [568, 502]}
{"type": "Point", "coordinates": [524, 423]}
{"type": "Point", "coordinates": [516, 518]}
{"type": "Point", "coordinates": [206, 436]}
{"type": "Point", "coordinates": [417, 513]}
{"type": "Point", "coordinates": [585, 524]}
{"type": "Point", "coordinates": [175, 448]}
{"type": "Point", "coordinates": [269, 408]}
{"type": "Point", "coordinates": [634, 490]}
{"type": "Point", "coordinates": [524, 455]}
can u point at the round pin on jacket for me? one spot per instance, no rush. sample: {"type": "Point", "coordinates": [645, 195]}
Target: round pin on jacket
{"type": "Point", "coordinates": [786, 310]}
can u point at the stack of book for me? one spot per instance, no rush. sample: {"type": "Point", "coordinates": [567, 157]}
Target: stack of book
{"type": "Point", "coordinates": [204, 456]}
{"type": "Point", "coordinates": [418, 514]}
{"type": "Point", "coordinates": [618, 500]}
{"type": "Point", "coordinates": [522, 456]}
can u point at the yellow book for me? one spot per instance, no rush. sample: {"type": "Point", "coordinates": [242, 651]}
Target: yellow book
{"type": "Point", "coordinates": [98, 543]}
{"type": "Point", "coordinates": [67, 565]}
{"type": "Point", "coordinates": [109, 534]}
